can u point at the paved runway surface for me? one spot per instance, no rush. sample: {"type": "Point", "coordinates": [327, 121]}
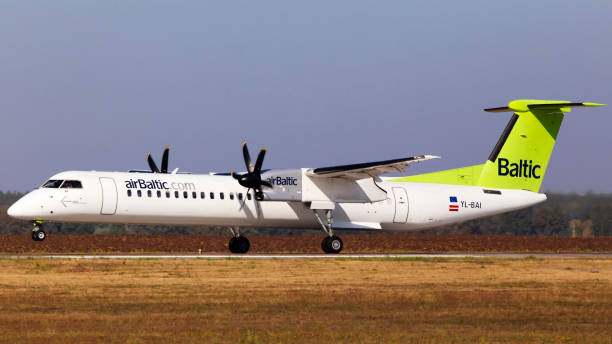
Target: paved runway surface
{"type": "Point", "coordinates": [310, 256]}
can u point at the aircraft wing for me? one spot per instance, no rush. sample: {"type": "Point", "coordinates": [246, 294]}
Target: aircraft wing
{"type": "Point", "coordinates": [368, 169]}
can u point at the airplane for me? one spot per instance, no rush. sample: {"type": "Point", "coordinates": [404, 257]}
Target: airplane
{"type": "Point", "coordinates": [346, 197]}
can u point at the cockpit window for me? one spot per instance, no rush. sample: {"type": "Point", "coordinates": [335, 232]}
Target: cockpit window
{"type": "Point", "coordinates": [72, 184]}
{"type": "Point", "coordinates": [53, 183]}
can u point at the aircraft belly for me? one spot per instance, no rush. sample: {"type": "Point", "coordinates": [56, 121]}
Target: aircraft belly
{"type": "Point", "coordinates": [217, 213]}
{"type": "Point", "coordinates": [267, 214]}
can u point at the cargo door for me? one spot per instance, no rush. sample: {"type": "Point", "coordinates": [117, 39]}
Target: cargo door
{"type": "Point", "coordinates": [109, 196]}
{"type": "Point", "coordinates": [401, 205]}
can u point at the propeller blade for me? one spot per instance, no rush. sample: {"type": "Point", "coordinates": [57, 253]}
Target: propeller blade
{"type": "Point", "coordinates": [244, 200]}
{"type": "Point", "coordinates": [152, 164]}
{"type": "Point", "coordinates": [247, 157]}
{"type": "Point", "coordinates": [258, 209]}
{"type": "Point", "coordinates": [267, 184]}
{"type": "Point", "coordinates": [164, 164]}
{"type": "Point", "coordinates": [260, 158]}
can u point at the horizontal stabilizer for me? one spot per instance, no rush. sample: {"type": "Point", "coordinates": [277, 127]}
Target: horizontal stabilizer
{"type": "Point", "coordinates": [524, 105]}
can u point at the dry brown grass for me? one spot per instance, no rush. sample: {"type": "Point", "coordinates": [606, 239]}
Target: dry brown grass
{"type": "Point", "coordinates": [312, 301]}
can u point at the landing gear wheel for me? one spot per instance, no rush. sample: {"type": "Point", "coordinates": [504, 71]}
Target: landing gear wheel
{"type": "Point", "coordinates": [239, 244]}
{"type": "Point", "coordinates": [39, 235]}
{"type": "Point", "coordinates": [332, 244]}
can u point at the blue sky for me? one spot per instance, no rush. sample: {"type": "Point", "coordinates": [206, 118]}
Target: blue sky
{"type": "Point", "coordinates": [96, 85]}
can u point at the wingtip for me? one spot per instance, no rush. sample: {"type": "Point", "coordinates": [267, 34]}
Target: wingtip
{"type": "Point", "coordinates": [243, 143]}
{"type": "Point", "coordinates": [426, 156]}
{"type": "Point", "coordinates": [167, 147]}
{"type": "Point", "coordinates": [593, 104]}
{"type": "Point", "coordinates": [148, 154]}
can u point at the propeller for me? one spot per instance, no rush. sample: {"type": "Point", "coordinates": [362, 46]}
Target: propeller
{"type": "Point", "coordinates": [252, 179]}
{"type": "Point", "coordinates": [164, 164]}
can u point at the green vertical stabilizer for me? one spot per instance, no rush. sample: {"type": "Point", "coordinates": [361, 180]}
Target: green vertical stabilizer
{"type": "Point", "coordinates": [520, 158]}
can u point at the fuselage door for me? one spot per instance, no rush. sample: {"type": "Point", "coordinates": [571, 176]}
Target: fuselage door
{"type": "Point", "coordinates": [109, 196]}
{"type": "Point", "coordinates": [401, 205]}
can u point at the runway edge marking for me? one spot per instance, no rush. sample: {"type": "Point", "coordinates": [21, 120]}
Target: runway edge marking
{"type": "Point", "coordinates": [313, 256]}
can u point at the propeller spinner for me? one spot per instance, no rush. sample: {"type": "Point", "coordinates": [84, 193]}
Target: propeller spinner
{"type": "Point", "coordinates": [252, 179]}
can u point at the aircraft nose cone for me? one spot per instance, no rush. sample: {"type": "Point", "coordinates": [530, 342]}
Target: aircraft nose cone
{"type": "Point", "coordinates": [21, 210]}
{"type": "Point", "coordinates": [13, 211]}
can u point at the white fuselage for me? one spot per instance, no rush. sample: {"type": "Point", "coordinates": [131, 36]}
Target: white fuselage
{"type": "Point", "coordinates": [185, 199]}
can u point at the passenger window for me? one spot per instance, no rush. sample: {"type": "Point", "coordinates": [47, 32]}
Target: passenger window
{"type": "Point", "coordinates": [149, 193]}
{"type": "Point", "coordinates": [158, 194]}
{"type": "Point", "coordinates": [202, 194]}
{"type": "Point", "coordinates": [139, 193]}
{"type": "Point", "coordinates": [194, 195]}
{"type": "Point", "coordinates": [167, 194]}
{"type": "Point", "coordinates": [221, 195]}
{"type": "Point", "coordinates": [240, 196]}
{"type": "Point", "coordinates": [212, 195]}
{"type": "Point", "coordinates": [72, 184]}
{"type": "Point", "coordinates": [129, 193]}
{"type": "Point", "coordinates": [249, 196]}
{"type": "Point", "coordinates": [185, 194]}
{"type": "Point", "coordinates": [231, 195]}
{"type": "Point", "coordinates": [176, 194]}
{"type": "Point", "coordinates": [53, 183]}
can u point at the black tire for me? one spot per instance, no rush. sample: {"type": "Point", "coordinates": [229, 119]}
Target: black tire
{"type": "Point", "coordinates": [232, 245]}
{"type": "Point", "coordinates": [34, 237]}
{"type": "Point", "coordinates": [239, 244]}
{"type": "Point", "coordinates": [243, 244]}
{"type": "Point", "coordinates": [335, 244]}
{"type": "Point", "coordinates": [332, 244]}
{"type": "Point", "coordinates": [325, 244]}
{"type": "Point", "coordinates": [39, 234]}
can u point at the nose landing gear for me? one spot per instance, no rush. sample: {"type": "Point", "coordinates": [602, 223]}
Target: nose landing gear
{"type": "Point", "coordinates": [37, 233]}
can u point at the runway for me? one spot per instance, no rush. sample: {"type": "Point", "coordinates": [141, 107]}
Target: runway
{"type": "Point", "coordinates": [317, 256]}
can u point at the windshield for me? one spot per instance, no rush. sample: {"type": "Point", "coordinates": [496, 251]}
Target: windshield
{"type": "Point", "coordinates": [53, 183]}
{"type": "Point", "coordinates": [72, 184]}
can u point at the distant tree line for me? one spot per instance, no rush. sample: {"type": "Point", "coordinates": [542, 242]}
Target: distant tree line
{"type": "Point", "coordinates": [568, 214]}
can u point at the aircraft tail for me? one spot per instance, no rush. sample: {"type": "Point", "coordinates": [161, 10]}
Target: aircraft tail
{"type": "Point", "coordinates": [520, 158]}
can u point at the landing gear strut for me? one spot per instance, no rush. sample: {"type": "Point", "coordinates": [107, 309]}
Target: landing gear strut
{"type": "Point", "coordinates": [37, 233]}
{"type": "Point", "coordinates": [331, 243]}
{"type": "Point", "coordinates": [238, 243]}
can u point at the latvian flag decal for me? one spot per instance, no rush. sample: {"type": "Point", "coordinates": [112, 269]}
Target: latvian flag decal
{"type": "Point", "coordinates": [453, 206]}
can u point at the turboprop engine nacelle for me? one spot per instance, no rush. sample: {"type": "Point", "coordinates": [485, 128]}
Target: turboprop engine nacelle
{"type": "Point", "coordinates": [287, 185]}
{"type": "Point", "coordinates": [296, 185]}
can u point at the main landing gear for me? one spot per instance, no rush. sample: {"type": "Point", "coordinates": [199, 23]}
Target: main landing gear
{"type": "Point", "coordinates": [238, 243]}
{"type": "Point", "coordinates": [37, 233]}
{"type": "Point", "coordinates": [332, 243]}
